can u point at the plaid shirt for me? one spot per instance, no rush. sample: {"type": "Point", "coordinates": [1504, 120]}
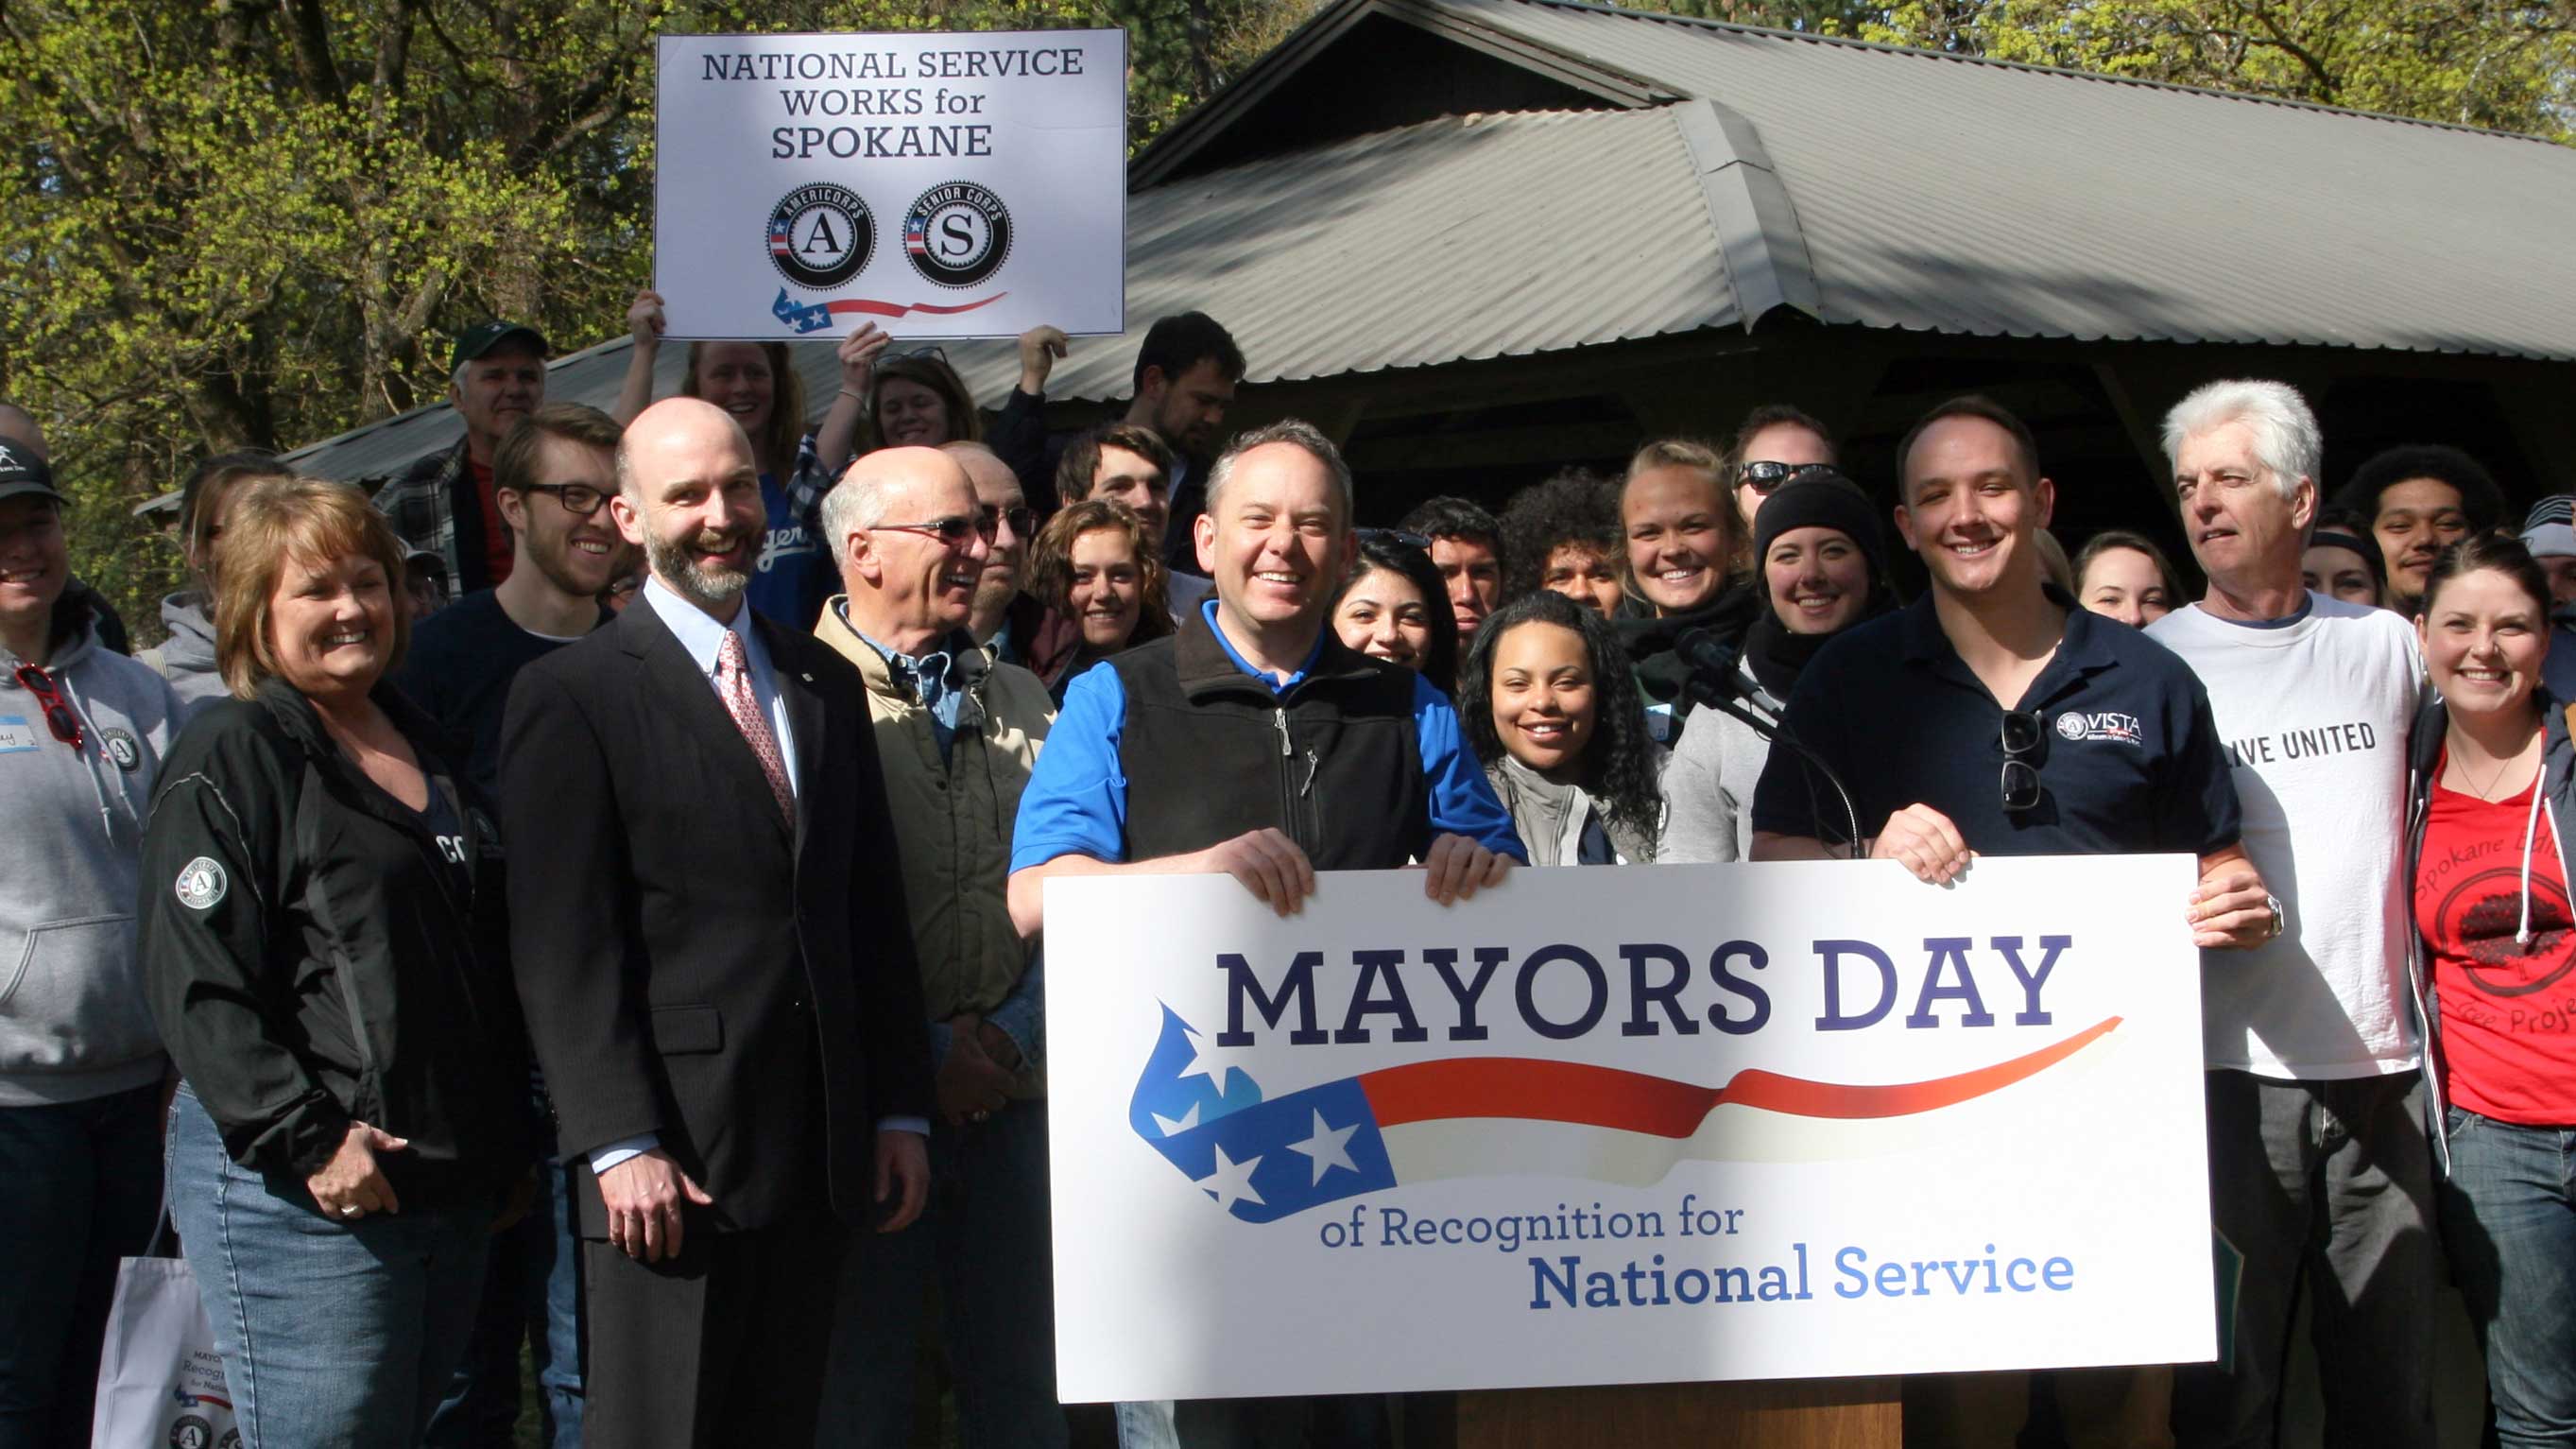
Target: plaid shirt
{"type": "Point", "coordinates": [805, 489]}
{"type": "Point", "coordinates": [421, 505]}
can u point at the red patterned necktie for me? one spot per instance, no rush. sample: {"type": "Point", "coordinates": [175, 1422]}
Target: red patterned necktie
{"type": "Point", "coordinates": [733, 681]}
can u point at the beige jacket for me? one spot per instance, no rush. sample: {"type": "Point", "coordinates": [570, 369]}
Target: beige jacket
{"type": "Point", "coordinates": [952, 821]}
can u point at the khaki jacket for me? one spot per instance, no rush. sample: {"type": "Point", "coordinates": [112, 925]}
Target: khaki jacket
{"type": "Point", "coordinates": [953, 821]}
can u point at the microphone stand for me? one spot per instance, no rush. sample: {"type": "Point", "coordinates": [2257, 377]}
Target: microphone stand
{"type": "Point", "coordinates": [1717, 696]}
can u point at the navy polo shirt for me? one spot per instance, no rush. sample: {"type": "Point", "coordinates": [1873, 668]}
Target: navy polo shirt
{"type": "Point", "coordinates": [2129, 758]}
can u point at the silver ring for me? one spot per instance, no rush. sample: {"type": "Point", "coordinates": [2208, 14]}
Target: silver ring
{"type": "Point", "coordinates": [349, 1211]}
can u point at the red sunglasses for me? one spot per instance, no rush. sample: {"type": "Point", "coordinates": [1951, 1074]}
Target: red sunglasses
{"type": "Point", "coordinates": [58, 714]}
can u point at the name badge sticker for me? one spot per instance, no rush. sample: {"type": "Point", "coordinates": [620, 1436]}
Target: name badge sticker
{"type": "Point", "coordinates": [16, 734]}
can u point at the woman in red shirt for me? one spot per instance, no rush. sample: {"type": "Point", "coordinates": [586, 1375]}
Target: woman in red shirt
{"type": "Point", "coordinates": [2493, 795]}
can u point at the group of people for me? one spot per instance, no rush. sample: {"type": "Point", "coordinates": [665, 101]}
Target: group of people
{"type": "Point", "coordinates": [637, 959]}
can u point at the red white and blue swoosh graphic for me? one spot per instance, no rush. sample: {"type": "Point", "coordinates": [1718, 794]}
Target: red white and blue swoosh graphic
{"type": "Point", "coordinates": [1263, 1159]}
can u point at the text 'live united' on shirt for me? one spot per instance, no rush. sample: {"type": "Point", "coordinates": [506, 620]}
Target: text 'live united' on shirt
{"type": "Point", "coordinates": [2314, 709]}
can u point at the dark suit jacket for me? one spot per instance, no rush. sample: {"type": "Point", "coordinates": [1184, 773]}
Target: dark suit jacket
{"type": "Point", "coordinates": [687, 968]}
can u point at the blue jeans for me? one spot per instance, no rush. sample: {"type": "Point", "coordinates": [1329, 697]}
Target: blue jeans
{"type": "Point", "coordinates": [2509, 1223]}
{"type": "Point", "coordinates": [531, 1291]}
{"type": "Point", "coordinates": [986, 1236]}
{"type": "Point", "coordinates": [80, 1187]}
{"type": "Point", "coordinates": [332, 1333]}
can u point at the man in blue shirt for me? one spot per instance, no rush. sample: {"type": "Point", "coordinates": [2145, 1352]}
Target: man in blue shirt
{"type": "Point", "coordinates": [2106, 745]}
{"type": "Point", "coordinates": [1255, 743]}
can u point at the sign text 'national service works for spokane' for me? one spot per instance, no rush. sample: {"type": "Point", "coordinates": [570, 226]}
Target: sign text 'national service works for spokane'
{"type": "Point", "coordinates": [1622, 1125]}
{"type": "Point", "coordinates": [962, 184]}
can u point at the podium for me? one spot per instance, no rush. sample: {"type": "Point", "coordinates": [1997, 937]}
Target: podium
{"type": "Point", "coordinates": [1771, 1414]}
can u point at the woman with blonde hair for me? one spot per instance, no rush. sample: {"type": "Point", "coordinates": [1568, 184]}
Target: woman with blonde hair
{"type": "Point", "coordinates": [323, 939]}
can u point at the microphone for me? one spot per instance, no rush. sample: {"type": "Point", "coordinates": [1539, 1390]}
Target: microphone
{"type": "Point", "coordinates": [1717, 683]}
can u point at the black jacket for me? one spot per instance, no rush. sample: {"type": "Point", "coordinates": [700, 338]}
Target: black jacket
{"type": "Point", "coordinates": [691, 968]}
{"type": "Point", "coordinates": [1339, 754]}
{"type": "Point", "coordinates": [313, 959]}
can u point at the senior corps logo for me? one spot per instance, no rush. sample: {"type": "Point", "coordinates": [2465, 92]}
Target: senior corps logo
{"type": "Point", "coordinates": [2077, 727]}
{"type": "Point", "coordinates": [957, 234]}
{"type": "Point", "coordinates": [1264, 1159]}
{"type": "Point", "coordinates": [201, 884]}
{"type": "Point", "coordinates": [821, 236]}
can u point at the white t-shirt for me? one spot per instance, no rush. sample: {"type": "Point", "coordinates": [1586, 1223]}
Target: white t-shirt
{"type": "Point", "coordinates": [2314, 713]}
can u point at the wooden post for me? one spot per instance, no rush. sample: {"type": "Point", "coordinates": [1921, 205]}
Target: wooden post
{"type": "Point", "coordinates": [1768, 1414]}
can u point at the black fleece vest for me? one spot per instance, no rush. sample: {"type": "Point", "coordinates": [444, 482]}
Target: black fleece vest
{"type": "Point", "coordinates": [1211, 753]}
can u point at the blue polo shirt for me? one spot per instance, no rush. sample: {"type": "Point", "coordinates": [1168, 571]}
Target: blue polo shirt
{"type": "Point", "coordinates": [2129, 758]}
{"type": "Point", "coordinates": [1076, 800]}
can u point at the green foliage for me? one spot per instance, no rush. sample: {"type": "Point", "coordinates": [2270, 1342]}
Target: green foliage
{"type": "Point", "coordinates": [240, 224]}
{"type": "Point", "coordinates": [2491, 63]}
{"type": "Point", "coordinates": [261, 224]}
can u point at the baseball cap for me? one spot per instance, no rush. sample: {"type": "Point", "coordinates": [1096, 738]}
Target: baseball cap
{"type": "Point", "coordinates": [2549, 530]}
{"type": "Point", "coordinates": [22, 472]}
{"type": "Point", "coordinates": [482, 337]}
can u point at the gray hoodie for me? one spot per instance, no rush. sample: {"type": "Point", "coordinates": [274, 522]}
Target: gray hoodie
{"type": "Point", "coordinates": [187, 657]}
{"type": "Point", "coordinates": [73, 1021]}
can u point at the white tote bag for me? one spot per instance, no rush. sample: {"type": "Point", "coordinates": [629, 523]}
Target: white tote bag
{"type": "Point", "coordinates": [160, 1381]}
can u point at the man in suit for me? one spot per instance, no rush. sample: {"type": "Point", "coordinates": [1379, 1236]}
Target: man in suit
{"type": "Point", "coordinates": [702, 875]}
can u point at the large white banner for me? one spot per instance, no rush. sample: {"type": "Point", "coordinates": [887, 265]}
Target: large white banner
{"type": "Point", "coordinates": [1625, 1125]}
{"type": "Point", "coordinates": [959, 184]}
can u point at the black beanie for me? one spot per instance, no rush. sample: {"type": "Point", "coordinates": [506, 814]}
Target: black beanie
{"type": "Point", "coordinates": [1821, 498]}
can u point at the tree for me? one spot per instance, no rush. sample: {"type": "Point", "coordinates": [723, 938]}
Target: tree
{"type": "Point", "coordinates": [258, 225]}
{"type": "Point", "coordinates": [2488, 63]}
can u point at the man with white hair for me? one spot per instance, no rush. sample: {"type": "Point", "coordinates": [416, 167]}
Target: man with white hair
{"type": "Point", "coordinates": [445, 503]}
{"type": "Point", "coordinates": [913, 532]}
{"type": "Point", "coordinates": [2318, 1159]}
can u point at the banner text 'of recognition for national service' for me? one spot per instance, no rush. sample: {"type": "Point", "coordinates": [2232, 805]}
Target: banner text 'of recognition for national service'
{"type": "Point", "coordinates": [1616, 1126]}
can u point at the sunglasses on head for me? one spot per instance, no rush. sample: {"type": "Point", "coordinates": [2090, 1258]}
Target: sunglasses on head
{"type": "Point", "coordinates": [2022, 738]}
{"type": "Point", "coordinates": [1763, 477]}
{"type": "Point", "coordinates": [1395, 536]}
{"type": "Point", "coordinates": [58, 712]}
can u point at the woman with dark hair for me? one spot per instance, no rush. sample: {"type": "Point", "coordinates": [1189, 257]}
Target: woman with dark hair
{"type": "Point", "coordinates": [187, 657]}
{"type": "Point", "coordinates": [2342, 564]}
{"type": "Point", "coordinates": [1563, 534]}
{"type": "Point", "coordinates": [1822, 565]}
{"type": "Point", "coordinates": [916, 400]}
{"type": "Point", "coordinates": [323, 945]}
{"type": "Point", "coordinates": [1548, 704]}
{"type": "Point", "coordinates": [1395, 607]}
{"type": "Point", "coordinates": [2494, 781]}
{"type": "Point", "coordinates": [2124, 576]}
{"type": "Point", "coordinates": [1095, 567]}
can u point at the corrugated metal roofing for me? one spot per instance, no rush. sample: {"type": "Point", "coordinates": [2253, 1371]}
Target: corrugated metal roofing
{"type": "Point", "coordinates": [1960, 196]}
{"type": "Point", "coordinates": [1868, 185]}
{"type": "Point", "coordinates": [1467, 237]}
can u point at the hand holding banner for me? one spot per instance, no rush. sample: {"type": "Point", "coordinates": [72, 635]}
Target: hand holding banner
{"type": "Point", "coordinates": [1625, 1125]}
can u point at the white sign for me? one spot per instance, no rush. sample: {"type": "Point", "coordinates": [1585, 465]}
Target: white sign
{"type": "Point", "coordinates": [1625, 1125]}
{"type": "Point", "coordinates": [937, 184]}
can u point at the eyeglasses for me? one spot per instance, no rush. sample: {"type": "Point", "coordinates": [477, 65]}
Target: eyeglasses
{"type": "Point", "coordinates": [953, 529]}
{"type": "Point", "coordinates": [1395, 536]}
{"type": "Point", "coordinates": [58, 713]}
{"type": "Point", "coordinates": [1023, 520]}
{"type": "Point", "coordinates": [578, 499]}
{"type": "Point", "coordinates": [929, 352]}
{"type": "Point", "coordinates": [1764, 477]}
{"type": "Point", "coordinates": [2022, 737]}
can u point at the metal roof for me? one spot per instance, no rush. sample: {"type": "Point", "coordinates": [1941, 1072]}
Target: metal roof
{"type": "Point", "coordinates": [1465, 237]}
{"type": "Point", "coordinates": [1942, 194]}
{"type": "Point", "coordinates": [1742, 172]}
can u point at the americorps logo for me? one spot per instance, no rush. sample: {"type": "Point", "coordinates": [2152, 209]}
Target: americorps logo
{"type": "Point", "coordinates": [1263, 1159]}
{"type": "Point", "coordinates": [2079, 727]}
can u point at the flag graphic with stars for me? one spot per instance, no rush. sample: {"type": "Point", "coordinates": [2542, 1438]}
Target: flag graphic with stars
{"type": "Point", "coordinates": [1266, 1158]}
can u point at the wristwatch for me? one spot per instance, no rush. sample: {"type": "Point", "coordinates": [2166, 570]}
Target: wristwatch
{"type": "Point", "coordinates": [2280, 922]}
